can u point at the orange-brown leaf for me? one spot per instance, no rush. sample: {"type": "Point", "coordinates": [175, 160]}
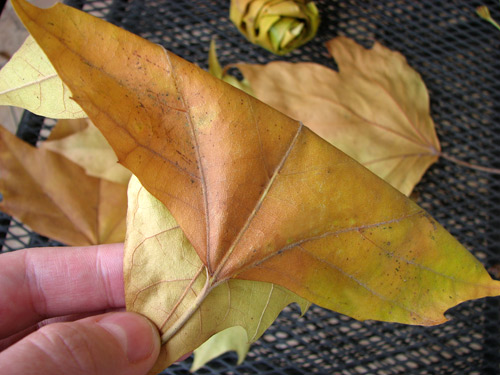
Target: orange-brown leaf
{"type": "Point", "coordinates": [259, 195]}
{"type": "Point", "coordinates": [56, 198]}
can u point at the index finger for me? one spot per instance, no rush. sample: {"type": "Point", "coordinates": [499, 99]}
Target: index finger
{"type": "Point", "coordinates": [36, 284]}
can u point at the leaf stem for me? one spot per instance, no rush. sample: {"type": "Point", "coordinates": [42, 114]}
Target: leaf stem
{"type": "Point", "coordinates": [186, 315]}
{"type": "Point", "coordinates": [469, 165]}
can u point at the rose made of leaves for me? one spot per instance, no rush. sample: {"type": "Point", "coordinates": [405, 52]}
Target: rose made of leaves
{"type": "Point", "coordinates": [278, 26]}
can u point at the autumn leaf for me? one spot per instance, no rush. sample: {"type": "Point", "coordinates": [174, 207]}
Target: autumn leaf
{"type": "Point", "coordinates": [29, 81]}
{"type": "Point", "coordinates": [375, 109]}
{"type": "Point", "coordinates": [88, 148]}
{"type": "Point", "coordinates": [259, 196]}
{"type": "Point", "coordinates": [164, 278]}
{"type": "Point", "coordinates": [56, 198]}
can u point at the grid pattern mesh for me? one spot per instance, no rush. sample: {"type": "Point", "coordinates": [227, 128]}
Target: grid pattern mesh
{"type": "Point", "coordinates": [458, 56]}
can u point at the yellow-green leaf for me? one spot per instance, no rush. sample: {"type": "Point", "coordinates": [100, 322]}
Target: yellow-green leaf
{"type": "Point", "coordinates": [30, 81]}
{"type": "Point", "coordinates": [167, 281]}
{"type": "Point", "coordinates": [213, 62]}
{"type": "Point", "coordinates": [216, 70]}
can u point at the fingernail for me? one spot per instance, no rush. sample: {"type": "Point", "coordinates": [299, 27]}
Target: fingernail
{"type": "Point", "coordinates": [136, 334]}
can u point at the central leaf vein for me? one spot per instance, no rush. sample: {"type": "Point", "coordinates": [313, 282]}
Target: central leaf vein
{"type": "Point", "coordinates": [198, 156]}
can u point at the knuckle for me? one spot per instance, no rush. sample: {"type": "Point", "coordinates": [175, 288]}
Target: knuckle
{"type": "Point", "coordinates": [69, 347]}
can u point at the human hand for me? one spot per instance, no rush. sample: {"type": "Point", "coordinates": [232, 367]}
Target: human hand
{"type": "Point", "coordinates": [54, 285]}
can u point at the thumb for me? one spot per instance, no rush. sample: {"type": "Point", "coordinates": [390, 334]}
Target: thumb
{"type": "Point", "coordinates": [115, 343]}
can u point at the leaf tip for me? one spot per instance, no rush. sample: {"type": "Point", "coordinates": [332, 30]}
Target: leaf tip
{"type": "Point", "coordinates": [495, 288]}
{"type": "Point", "coordinates": [483, 12]}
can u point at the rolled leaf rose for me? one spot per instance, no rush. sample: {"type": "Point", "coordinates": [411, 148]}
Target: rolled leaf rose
{"type": "Point", "coordinates": [279, 26]}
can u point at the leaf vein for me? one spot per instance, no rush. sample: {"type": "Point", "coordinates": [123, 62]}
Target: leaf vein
{"type": "Point", "coordinates": [359, 282]}
{"type": "Point", "coordinates": [181, 298]}
{"type": "Point", "coordinates": [405, 115]}
{"type": "Point", "coordinates": [132, 256]}
{"type": "Point", "coordinates": [328, 234]}
{"type": "Point", "coordinates": [252, 111]}
{"type": "Point", "coordinates": [412, 263]}
{"type": "Point", "coordinates": [28, 84]}
{"type": "Point", "coordinates": [354, 113]}
{"type": "Point", "coordinates": [402, 156]}
{"type": "Point", "coordinates": [198, 156]}
{"type": "Point", "coordinates": [268, 301]}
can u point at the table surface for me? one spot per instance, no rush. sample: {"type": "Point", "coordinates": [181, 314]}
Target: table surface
{"type": "Point", "coordinates": [458, 56]}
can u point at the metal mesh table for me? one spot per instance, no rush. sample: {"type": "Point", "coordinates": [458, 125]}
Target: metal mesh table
{"type": "Point", "coordinates": [458, 56]}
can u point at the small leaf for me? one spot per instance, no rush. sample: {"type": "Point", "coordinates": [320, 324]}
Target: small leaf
{"type": "Point", "coordinates": [376, 109]}
{"type": "Point", "coordinates": [231, 339]}
{"type": "Point", "coordinates": [213, 62]}
{"type": "Point", "coordinates": [166, 281]}
{"type": "Point", "coordinates": [215, 69]}
{"type": "Point", "coordinates": [56, 198]}
{"type": "Point", "coordinates": [30, 81]}
{"type": "Point", "coordinates": [89, 149]}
